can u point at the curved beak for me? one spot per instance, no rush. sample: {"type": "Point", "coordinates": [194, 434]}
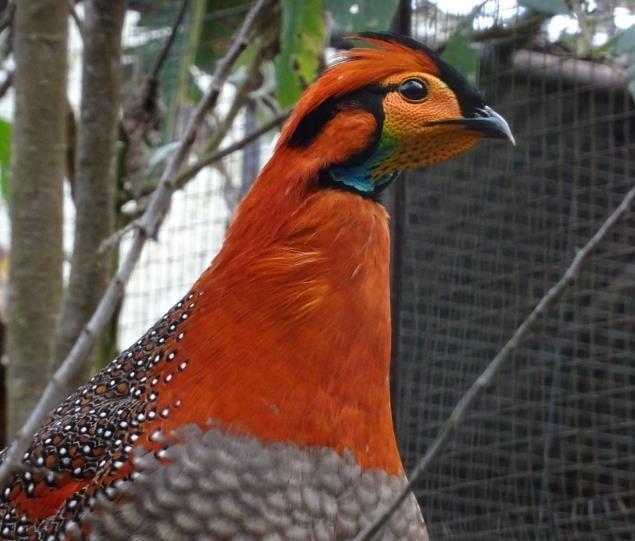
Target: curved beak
{"type": "Point", "coordinates": [485, 121]}
{"type": "Point", "coordinates": [490, 123]}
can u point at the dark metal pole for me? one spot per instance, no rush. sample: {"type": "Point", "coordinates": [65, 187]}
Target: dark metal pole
{"type": "Point", "coordinates": [396, 205]}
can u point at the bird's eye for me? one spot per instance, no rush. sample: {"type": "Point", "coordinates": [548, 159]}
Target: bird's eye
{"type": "Point", "coordinates": [413, 90]}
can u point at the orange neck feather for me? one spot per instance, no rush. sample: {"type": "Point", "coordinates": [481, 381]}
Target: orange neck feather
{"type": "Point", "coordinates": [291, 341]}
{"type": "Point", "coordinates": [288, 179]}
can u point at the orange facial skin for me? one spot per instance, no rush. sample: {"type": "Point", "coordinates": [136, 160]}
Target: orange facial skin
{"type": "Point", "coordinates": [419, 144]}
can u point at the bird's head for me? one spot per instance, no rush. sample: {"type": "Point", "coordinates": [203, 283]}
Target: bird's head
{"type": "Point", "coordinates": [390, 105]}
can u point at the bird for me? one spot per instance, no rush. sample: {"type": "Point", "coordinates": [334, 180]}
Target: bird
{"type": "Point", "coordinates": [258, 406]}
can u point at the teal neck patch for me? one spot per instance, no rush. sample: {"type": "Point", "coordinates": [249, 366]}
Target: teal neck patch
{"type": "Point", "coordinates": [360, 177]}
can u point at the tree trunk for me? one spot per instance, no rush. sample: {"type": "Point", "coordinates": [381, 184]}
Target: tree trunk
{"type": "Point", "coordinates": [95, 172]}
{"type": "Point", "coordinates": [39, 153]}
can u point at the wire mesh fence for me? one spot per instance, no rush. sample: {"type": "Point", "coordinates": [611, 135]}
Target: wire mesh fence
{"type": "Point", "coordinates": [548, 453]}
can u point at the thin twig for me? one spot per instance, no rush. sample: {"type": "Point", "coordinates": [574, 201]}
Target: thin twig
{"type": "Point", "coordinates": [143, 112]}
{"type": "Point", "coordinates": [163, 55]}
{"type": "Point", "coordinates": [149, 89]}
{"type": "Point", "coordinates": [7, 16]}
{"type": "Point", "coordinates": [150, 222]}
{"type": "Point", "coordinates": [114, 239]}
{"type": "Point", "coordinates": [78, 22]}
{"type": "Point", "coordinates": [485, 379]}
{"type": "Point", "coordinates": [190, 172]}
{"type": "Point", "coordinates": [181, 180]}
{"type": "Point", "coordinates": [6, 84]}
{"type": "Point", "coordinates": [240, 98]}
{"type": "Point", "coordinates": [146, 98]}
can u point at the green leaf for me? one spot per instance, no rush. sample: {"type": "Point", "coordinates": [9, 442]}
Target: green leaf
{"type": "Point", "coordinates": [352, 16]}
{"type": "Point", "coordinates": [625, 42]}
{"type": "Point", "coordinates": [459, 53]}
{"type": "Point", "coordinates": [5, 158]}
{"type": "Point", "coordinates": [301, 44]}
{"type": "Point", "coordinates": [599, 52]}
{"type": "Point", "coordinates": [549, 7]}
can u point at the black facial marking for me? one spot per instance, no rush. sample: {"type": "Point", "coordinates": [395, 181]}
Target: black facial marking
{"type": "Point", "coordinates": [311, 124]}
{"type": "Point", "coordinates": [368, 98]}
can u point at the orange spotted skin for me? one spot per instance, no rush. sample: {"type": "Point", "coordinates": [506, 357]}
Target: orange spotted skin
{"type": "Point", "coordinates": [284, 341]}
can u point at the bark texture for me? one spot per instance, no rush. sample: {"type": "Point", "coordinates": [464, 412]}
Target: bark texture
{"type": "Point", "coordinates": [95, 173]}
{"type": "Point", "coordinates": [39, 147]}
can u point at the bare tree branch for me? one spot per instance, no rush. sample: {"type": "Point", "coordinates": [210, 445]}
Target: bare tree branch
{"type": "Point", "coordinates": [145, 104]}
{"type": "Point", "coordinates": [7, 16]}
{"type": "Point", "coordinates": [150, 222]}
{"type": "Point", "coordinates": [78, 22]}
{"type": "Point", "coordinates": [95, 180]}
{"type": "Point", "coordinates": [264, 47]}
{"type": "Point", "coordinates": [453, 423]}
{"type": "Point", "coordinates": [37, 174]}
{"type": "Point", "coordinates": [242, 94]}
{"type": "Point", "coordinates": [6, 84]}
{"type": "Point", "coordinates": [190, 172]}
{"type": "Point", "coordinates": [141, 116]}
{"type": "Point", "coordinates": [181, 180]}
{"type": "Point", "coordinates": [163, 55]}
{"type": "Point", "coordinates": [552, 68]}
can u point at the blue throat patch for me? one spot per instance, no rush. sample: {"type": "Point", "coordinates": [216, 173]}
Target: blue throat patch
{"type": "Point", "coordinates": [360, 177]}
